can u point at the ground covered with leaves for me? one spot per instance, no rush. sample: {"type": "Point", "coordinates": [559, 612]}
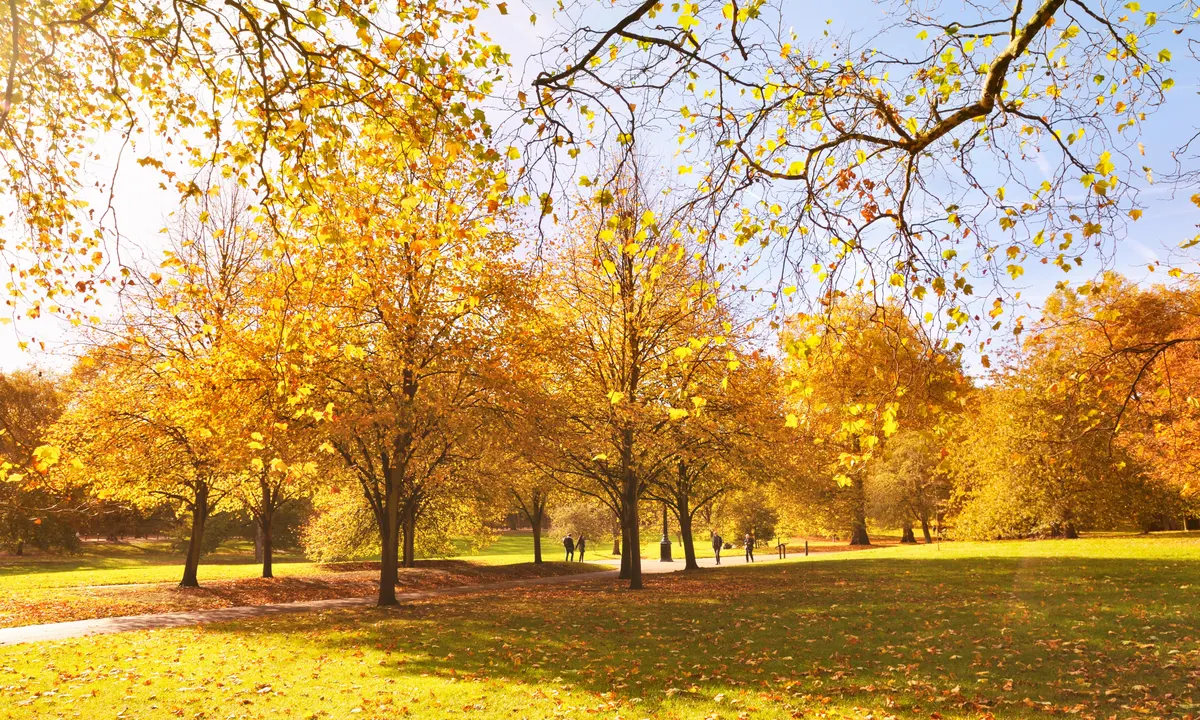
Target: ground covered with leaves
{"type": "Point", "coordinates": [112, 580]}
{"type": "Point", "coordinates": [1095, 628]}
{"type": "Point", "coordinates": [355, 581]}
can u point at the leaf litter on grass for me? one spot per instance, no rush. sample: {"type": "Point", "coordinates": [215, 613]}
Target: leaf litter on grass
{"type": "Point", "coordinates": [904, 636]}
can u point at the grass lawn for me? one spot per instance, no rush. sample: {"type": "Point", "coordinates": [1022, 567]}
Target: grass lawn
{"type": "Point", "coordinates": [1095, 628]}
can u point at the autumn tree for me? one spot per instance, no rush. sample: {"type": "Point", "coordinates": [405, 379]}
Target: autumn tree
{"type": "Point", "coordinates": [721, 444]}
{"type": "Point", "coordinates": [1132, 352]}
{"type": "Point", "coordinates": [31, 511]}
{"type": "Point", "coordinates": [413, 284]}
{"type": "Point", "coordinates": [124, 408]}
{"type": "Point", "coordinates": [532, 491]}
{"type": "Point", "coordinates": [908, 485]}
{"type": "Point", "coordinates": [247, 90]}
{"type": "Point", "coordinates": [939, 166]}
{"type": "Point", "coordinates": [1089, 421]}
{"type": "Point", "coordinates": [635, 315]}
{"type": "Point", "coordinates": [164, 381]}
{"type": "Point", "coordinates": [857, 374]}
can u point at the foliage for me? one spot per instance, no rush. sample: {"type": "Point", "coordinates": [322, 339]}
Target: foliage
{"type": "Point", "coordinates": [582, 517]}
{"type": "Point", "coordinates": [260, 93]}
{"type": "Point", "coordinates": [639, 338]}
{"type": "Point", "coordinates": [30, 512]}
{"type": "Point", "coordinates": [918, 168]}
{"type": "Point", "coordinates": [340, 528]}
{"type": "Point", "coordinates": [909, 486]}
{"type": "Point", "coordinates": [1070, 433]}
{"type": "Point", "coordinates": [748, 512]}
{"type": "Point", "coordinates": [855, 377]}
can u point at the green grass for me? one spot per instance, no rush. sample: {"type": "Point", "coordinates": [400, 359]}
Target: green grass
{"type": "Point", "coordinates": [1093, 628]}
{"type": "Point", "coordinates": [135, 562]}
{"type": "Point", "coordinates": [145, 561]}
{"type": "Point", "coordinates": [150, 561]}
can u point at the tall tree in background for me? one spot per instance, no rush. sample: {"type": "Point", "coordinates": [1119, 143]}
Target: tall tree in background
{"type": "Point", "coordinates": [635, 318]}
{"type": "Point", "coordinates": [721, 443]}
{"type": "Point", "coordinates": [1089, 422]}
{"type": "Point", "coordinates": [1134, 354]}
{"type": "Point", "coordinates": [856, 375]}
{"type": "Point", "coordinates": [164, 382]}
{"type": "Point", "coordinates": [31, 511]}
{"type": "Point", "coordinates": [908, 485]}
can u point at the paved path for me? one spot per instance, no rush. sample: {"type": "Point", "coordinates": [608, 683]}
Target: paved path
{"type": "Point", "coordinates": [729, 558]}
{"type": "Point", "coordinates": [107, 626]}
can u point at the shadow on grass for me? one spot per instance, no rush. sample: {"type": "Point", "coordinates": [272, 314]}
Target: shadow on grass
{"type": "Point", "coordinates": [1024, 636]}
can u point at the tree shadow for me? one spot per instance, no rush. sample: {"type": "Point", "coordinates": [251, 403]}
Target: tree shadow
{"type": "Point", "coordinates": [1012, 636]}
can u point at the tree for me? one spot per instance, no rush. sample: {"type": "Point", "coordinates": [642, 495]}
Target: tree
{"type": "Point", "coordinates": [1068, 435]}
{"type": "Point", "coordinates": [583, 516]}
{"type": "Point", "coordinates": [635, 317]}
{"type": "Point", "coordinates": [31, 512]}
{"type": "Point", "coordinates": [256, 91]}
{"type": "Point", "coordinates": [280, 430]}
{"type": "Point", "coordinates": [163, 381]}
{"type": "Point", "coordinates": [123, 408]}
{"type": "Point", "coordinates": [907, 168]}
{"type": "Point", "coordinates": [532, 492]}
{"type": "Point", "coordinates": [414, 285]}
{"type": "Point", "coordinates": [908, 485]}
{"type": "Point", "coordinates": [858, 373]}
{"type": "Point", "coordinates": [720, 444]}
{"type": "Point", "coordinates": [1132, 353]}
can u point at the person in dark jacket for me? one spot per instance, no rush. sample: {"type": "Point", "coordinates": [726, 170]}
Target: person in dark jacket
{"type": "Point", "coordinates": [569, 544]}
{"type": "Point", "coordinates": [717, 543]}
{"type": "Point", "coordinates": [749, 547]}
{"type": "Point", "coordinates": [581, 546]}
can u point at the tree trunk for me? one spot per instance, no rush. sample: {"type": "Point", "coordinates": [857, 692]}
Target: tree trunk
{"type": "Point", "coordinates": [268, 549]}
{"type": "Point", "coordinates": [389, 546]}
{"type": "Point", "coordinates": [536, 520]}
{"type": "Point", "coordinates": [925, 530]}
{"type": "Point", "coordinates": [633, 542]}
{"type": "Point", "coordinates": [409, 518]}
{"type": "Point", "coordinates": [624, 542]}
{"type": "Point", "coordinates": [858, 525]}
{"type": "Point", "coordinates": [685, 536]}
{"type": "Point", "coordinates": [258, 539]}
{"type": "Point", "coordinates": [908, 538]}
{"type": "Point", "coordinates": [195, 543]}
{"type": "Point", "coordinates": [1069, 532]}
{"type": "Point", "coordinates": [20, 548]}
{"type": "Point", "coordinates": [617, 538]}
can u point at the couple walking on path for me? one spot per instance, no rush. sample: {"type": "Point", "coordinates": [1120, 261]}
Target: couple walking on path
{"type": "Point", "coordinates": [718, 542]}
{"type": "Point", "coordinates": [574, 546]}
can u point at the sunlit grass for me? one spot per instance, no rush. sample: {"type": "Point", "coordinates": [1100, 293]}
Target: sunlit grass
{"type": "Point", "coordinates": [1093, 628]}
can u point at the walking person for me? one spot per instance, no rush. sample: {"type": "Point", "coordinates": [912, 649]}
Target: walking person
{"type": "Point", "coordinates": [717, 543]}
{"type": "Point", "coordinates": [569, 544]}
{"type": "Point", "coordinates": [581, 546]}
{"type": "Point", "coordinates": [749, 547]}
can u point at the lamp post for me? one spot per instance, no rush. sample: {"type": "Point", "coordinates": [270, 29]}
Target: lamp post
{"type": "Point", "coordinates": [664, 547]}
